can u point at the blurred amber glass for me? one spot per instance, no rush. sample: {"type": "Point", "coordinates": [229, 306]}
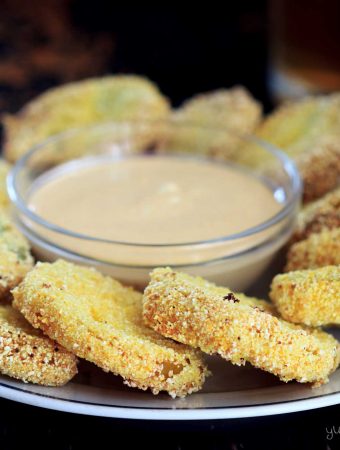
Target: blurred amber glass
{"type": "Point", "coordinates": [305, 47]}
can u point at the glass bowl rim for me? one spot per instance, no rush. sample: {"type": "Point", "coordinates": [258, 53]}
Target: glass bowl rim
{"type": "Point", "coordinates": [285, 161]}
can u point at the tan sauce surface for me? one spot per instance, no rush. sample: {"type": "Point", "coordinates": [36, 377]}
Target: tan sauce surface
{"type": "Point", "coordinates": [150, 200]}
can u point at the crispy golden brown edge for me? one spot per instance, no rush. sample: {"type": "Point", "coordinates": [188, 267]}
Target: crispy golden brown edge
{"type": "Point", "coordinates": [318, 250]}
{"type": "Point", "coordinates": [311, 297]}
{"type": "Point", "coordinates": [100, 320]}
{"type": "Point", "coordinates": [26, 354]}
{"type": "Point", "coordinates": [197, 313]}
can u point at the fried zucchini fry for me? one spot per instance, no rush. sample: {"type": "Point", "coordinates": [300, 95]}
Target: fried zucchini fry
{"type": "Point", "coordinates": [319, 215]}
{"type": "Point", "coordinates": [81, 103]}
{"type": "Point", "coordinates": [26, 354]}
{"type": "Point", "coordinates": [100, 320]}
{"type": "Point", "coordinates": [213, 122]}
{"type": "Point", "coordinates": [195, 312]}
{"type": "Point", "coordinates": [308, 130]}
{"type": "Point", "coordinates": [15, 257]}
{"type": "Point", "coordinates": [318, 250]}
{"type": "Point", "coordinates": [311, 297]}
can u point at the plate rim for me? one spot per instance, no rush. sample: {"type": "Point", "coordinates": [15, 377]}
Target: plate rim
{"type": "Point", "coordinates": [142, 413]}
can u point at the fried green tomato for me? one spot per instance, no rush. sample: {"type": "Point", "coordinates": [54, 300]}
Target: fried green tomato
{"type": "Point", "coordinates": [205, 121]}
{"type": "Point", "coordinates": [28, 355]}
{"type": "Point", "coordinates": [117, 98]}
{"type": "Point", "coordinates": [100, 320]}
{"type": "Point", "coordinates": [15, 257]}
{"type": "Point", "coordinates": [318, 250]}
{"type": "Point", "coordinates": [308, 130]}
{"type": "Point", "coordinates": [311, 297]}
{"type": "Point", "coordinates": [197, 313]}
{"type": "Point", "coordinates": [319, 215]}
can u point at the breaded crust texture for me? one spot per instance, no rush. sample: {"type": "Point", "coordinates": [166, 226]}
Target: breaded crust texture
{"type": "Point", "coordinates": [308, 131]}
{"type": "Point", "coordinates": [322, 214]}
{"type": "Point", "coordinates": [26, 354]}
{"type": "Point", "coordinates": [78, 104]}
{"type": "Point", "coordinates": [199, 314]}
{"type": "Point", "coordinates": [15, 257]}
{"type": "Point", "coordinates": [234, 109]}
{"type": "Point", "coordinates": [210, 124]}
{"type": "Point", "coordinates": [100, 320]}
{"type": "Point", "coordinates": [318, 250]}
{"type": "Point", "coordinates": [311, 297]}
{"type": "Point", "coordinates": [4, 170]}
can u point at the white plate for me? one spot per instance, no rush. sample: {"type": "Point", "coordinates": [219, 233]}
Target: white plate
{"type": "Point", "coordinates": [232, 392]}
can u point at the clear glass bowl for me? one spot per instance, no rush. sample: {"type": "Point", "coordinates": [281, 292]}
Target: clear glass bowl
{"type": "Point", "coordinates": [233, 260]}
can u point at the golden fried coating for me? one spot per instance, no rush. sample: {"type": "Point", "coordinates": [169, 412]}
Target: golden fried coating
{"type": "Point", "coordinates": [15, 257]}
{"type": "Point", "coordinates": [321, 214]}
{"type": "Point", "coordinates": [26, 354]}
{"type": "Point", "coordinates": [212, 123]}
{"type": "Point", "coordinates": [100, 320]}
{"type": "Point", "coordinates": [234, 109]}
{"type": "Point", "coordinates": [197, 313]}
{"type": "Point", "coordinates": [311, 297]}
{"type": "Point", "coordinates": [318, 250]}
{"type": "Point", "coordinates": [81, 103]}
{"type": "Point", "coordinates": [4, 170]}
{"type": "Point", "coordinates": [308, 130]}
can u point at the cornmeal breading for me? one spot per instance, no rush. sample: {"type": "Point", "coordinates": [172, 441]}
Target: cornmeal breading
{"type": "Point", "coordinates": [26, 354]}
{"type": "Point", "coordinates": [4, 170]}
{"type": "Point", "coordinates": [15, 257]}
{"type": "Point", "coordinates": [311, 297]}
{"type": "Point", "coordinates": [321, 214]}
{"type": "Point", "coordinates": [210, 124]}
{"type": "Point", "coordinates": [111, 98]}
{"type": "Point", "coordinates": [233, 109]}
{"type": "Point", "coordinates": [318, 250]}
{"type": "Point", "coordinates": [195, 312]}
{"type": "Point", "coordinates": [308, 130]}
{"type": "Point", "coordinates": [100, 320]}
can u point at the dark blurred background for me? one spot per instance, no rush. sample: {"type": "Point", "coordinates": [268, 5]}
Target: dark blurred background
{"type": "Point", "coordinates": [278, 49]}
{"type": "Point", "coordinates": [184, 50]}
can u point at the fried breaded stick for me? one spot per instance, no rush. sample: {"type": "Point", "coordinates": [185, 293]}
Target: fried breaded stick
{"type": "Point", "coordinates": [319, 215]}
{"type": "Point", "coordinates": [79, 104]}
{"type": "Point", "coordinates": [195, 312]}
{"type": "Point", "coordinates": [311, 297]}
{"type": "Point", "coordinates": [308, 130]}
{"type": "Point", "coordinates": [318, 250]}
{"type": "Point", "coordinates": [100, 320]}
{"type": "Point", "coordinates": [26, 354]}
{"type": "Point", "coordinates": [15, 257]}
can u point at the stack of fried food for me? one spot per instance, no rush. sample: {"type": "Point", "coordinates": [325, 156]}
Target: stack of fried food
{"type": "Point", "coordinates": [61, 312]}
{"type": "Point", "coordinates": [309, 292]}
{"type": "Point", "coordinates": [51, 314]}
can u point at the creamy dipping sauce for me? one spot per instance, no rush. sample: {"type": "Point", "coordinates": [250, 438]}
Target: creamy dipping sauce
{"type": "Point", "coordinates": [152, 199]}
